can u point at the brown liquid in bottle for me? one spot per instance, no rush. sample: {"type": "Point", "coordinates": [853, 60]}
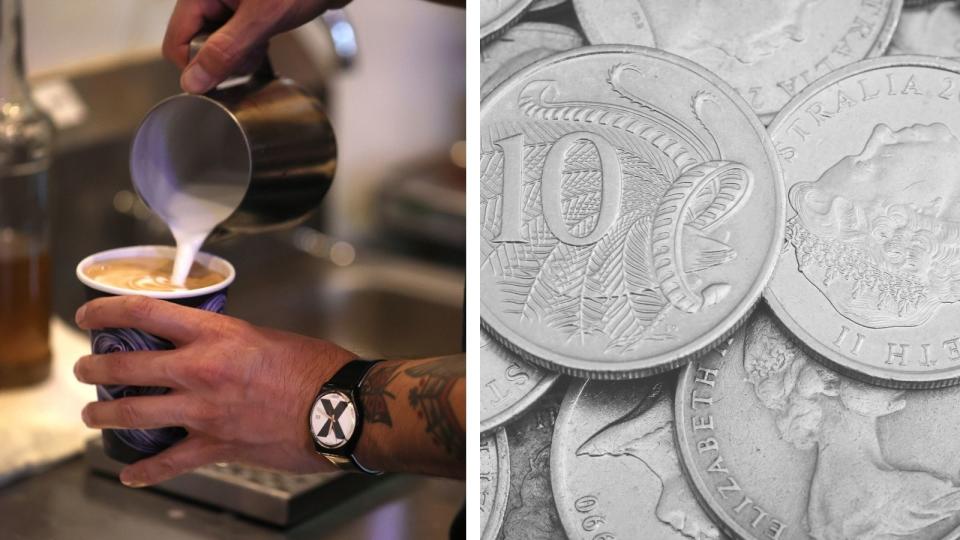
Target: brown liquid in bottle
{"type": "Point", "coordinates": [24, 311]}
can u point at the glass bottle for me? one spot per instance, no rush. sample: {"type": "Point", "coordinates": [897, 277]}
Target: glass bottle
{"type": "Point", "coordinates": [26, 140]}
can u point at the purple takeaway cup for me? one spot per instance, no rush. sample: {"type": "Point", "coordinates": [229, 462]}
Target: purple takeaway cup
{"type": "Point", "coordinates": [131, 445]}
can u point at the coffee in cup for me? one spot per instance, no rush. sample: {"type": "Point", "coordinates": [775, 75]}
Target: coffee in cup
{"type": "Point", "coordinates": [151, 274]}
{"type": "Point", "coordinates": [145, 271]}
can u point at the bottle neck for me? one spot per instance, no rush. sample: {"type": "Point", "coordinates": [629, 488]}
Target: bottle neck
{"type": "Point", "coordinates": [13, 81]}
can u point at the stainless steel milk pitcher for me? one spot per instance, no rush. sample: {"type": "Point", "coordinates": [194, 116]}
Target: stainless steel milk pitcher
{"type": "Point", "coordinates": [260, 145]}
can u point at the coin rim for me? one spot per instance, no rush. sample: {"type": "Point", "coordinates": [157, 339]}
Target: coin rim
{"type": "Point", "coordinates": [491, 528]}
{"type": "Point", "coordinates": [819, 351]}
{"type": "Point", "coordinates": [879, 46]}
{"type": "Point", "coordinates": [502, 22]}
{"type": "Point", "coordinates": [737, 315]}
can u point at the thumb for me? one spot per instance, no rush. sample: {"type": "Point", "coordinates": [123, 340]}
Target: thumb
{"type": "Point", "coordinates": [226, 51]}
{"type": "Point", "coordinates": [194, 451]}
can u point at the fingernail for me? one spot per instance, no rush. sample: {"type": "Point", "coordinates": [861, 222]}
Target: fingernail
{"type": "Point", "coordinates": [80, 312]}
{"type": "Point", "coordinates": [129, 482]}
{"type": "Point", "coordinates": [84, 416]}
{"type": "Point", "coordinates": [196, 80]}
{"type": "Point", "coordinates": [76, 372]}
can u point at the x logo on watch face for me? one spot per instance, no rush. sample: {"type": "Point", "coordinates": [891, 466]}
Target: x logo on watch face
{"type": "Point", "coordinates": [333, 413]}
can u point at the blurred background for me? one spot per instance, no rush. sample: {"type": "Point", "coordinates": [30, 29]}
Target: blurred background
{"type": "Point", "coordinates": [378, 268]}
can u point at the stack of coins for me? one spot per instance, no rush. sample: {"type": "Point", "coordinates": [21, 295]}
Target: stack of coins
{"type": "Point", "coordinates": [720, 269]}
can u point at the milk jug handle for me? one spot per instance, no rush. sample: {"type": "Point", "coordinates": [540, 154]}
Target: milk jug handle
{"type": "Point", "coordinates": [263, 73]}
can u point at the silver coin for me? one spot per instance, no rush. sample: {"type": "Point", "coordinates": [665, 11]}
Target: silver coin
{"type": "Point", "coordinates": [508, 384]}
{"type": "Point", "coordinates": [780, 447]}
{"type": "Point", "coordinates": [531, 513]}
{"type": "Point", "coordinates": [614, 466]}
{"type": "Point", "coordinates": [497, 15]}
{"type": "Point", "coordinates": [869, 275]}
{"type": "Point", "coordinates": [767, 50]}
{"type": "Point", "coordinates": [494, 482]}
{"type": "Point", "coordinates": [546, 4]}
{"type": "Point", "coordinates": [631, 211]}
{"type": "Point", "coordinates": [934, 30]}
{"type": "Point", "coordinates": [521, 46]}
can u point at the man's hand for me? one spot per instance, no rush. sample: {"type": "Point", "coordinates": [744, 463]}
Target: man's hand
{"type": "Point", "coordinates": [242, 392]}
{"type": "Point", "coordinates": [240, 44]}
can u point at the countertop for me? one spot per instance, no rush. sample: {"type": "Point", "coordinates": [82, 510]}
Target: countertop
{"type": "Point", "coordinates": [69, 502]}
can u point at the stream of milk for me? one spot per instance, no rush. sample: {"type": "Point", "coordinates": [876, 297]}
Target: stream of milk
{"type": "Point", "coordinates": [192, 213]}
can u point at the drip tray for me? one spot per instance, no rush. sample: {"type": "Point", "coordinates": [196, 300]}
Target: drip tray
{"type": "Point", "coordinates": [277, 498]}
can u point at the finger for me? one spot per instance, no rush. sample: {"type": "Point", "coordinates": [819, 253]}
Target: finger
{"type": "Point", "coordinates": [140, 368]}
{"type": "Point", "coordinates": [227, 49]}
{"type": "Point", "coordinates": [179, 324]}
{"type": "Point", "coordinates": [140, 412]}
{"type": "Point", "coordinates": [253, 60]}
{"type": "Point", "coordinates": [189, 17]}
{"type": "Point", "coordinates": [192, 452]}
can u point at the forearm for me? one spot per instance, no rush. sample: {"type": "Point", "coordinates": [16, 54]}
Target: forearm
{"type": "Point", "coordinates": [415, 413]}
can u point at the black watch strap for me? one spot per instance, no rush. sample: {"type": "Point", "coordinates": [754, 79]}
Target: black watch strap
{"type": "Point", "coordinates": [351, 375]}
{"type": "Point", "coordinates": [348, 380]}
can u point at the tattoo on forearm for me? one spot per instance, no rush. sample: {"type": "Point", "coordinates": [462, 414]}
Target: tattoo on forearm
{"type": "Point", "coordinates": [431, 398]}
{"type": "Point", "coordinates": [374, 393]}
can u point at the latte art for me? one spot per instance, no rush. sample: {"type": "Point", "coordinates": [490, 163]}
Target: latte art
{"type": "Point", "coordinates": [149, 274]}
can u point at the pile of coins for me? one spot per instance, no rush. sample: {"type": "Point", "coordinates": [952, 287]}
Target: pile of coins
{"type": "Point", "coordinates": [720, 269]}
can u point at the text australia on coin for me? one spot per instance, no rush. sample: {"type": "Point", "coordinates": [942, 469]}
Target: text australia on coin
{"type": "Point", "coordinates": [768, 51]}
{"type": "Point", "coordinates": [497, 15]}
{"type": "Point", "coordinates": [631, 211]}
{"type": "Point", "coordinates": [869, 275]}
{"type": "Point", "coordinates": [508, 384]}
{"type": "Point", "coordinates": [779, 447]}
{"type": "Point", "coordinates": [521, 46]}
{"type": "Point", "coordinates": [494, 482]}
{"type": "Point", "coordinates": [530, 512]}
{"type": "Point", "coordinates": [614, 465]}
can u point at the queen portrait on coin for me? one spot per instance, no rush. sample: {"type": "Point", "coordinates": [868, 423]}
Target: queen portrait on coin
{"type": "Point", "coordinates": [879, 233]}
{"type": "Point", "coordinates": [854, 492]}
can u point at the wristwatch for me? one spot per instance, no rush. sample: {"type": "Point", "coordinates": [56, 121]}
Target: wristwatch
{"type": "Point", "coordinates": [336, 418]}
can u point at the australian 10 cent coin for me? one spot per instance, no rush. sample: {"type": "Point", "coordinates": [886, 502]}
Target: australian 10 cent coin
{"type": "Point", "coordinates": [631, 211]}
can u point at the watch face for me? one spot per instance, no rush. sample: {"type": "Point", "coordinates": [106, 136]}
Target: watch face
{"type": "Point", "coordinates": [333, 419]}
